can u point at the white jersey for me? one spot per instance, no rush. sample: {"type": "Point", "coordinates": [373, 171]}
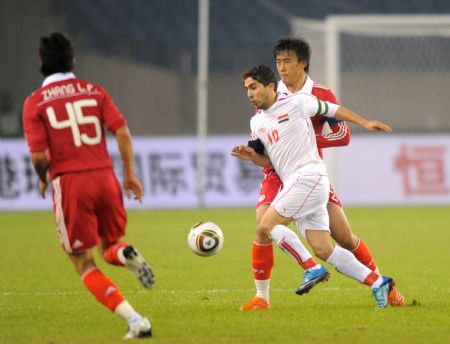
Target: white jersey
{"type": "Point", "coordinates": [306, 88]}
{"type": "Point", "coordinates": [287, 133]}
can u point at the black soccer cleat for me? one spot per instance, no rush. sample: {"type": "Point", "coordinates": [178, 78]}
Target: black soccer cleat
{"type": "Point", "coordinates": [140, 268]}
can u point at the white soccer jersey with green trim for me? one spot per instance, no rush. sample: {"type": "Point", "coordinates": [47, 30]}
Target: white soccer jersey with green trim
{"type": "Point", "coordinates": [286, 131]}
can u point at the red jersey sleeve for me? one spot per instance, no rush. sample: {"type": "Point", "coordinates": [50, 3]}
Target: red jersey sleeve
{"type": "Point", "coordinates": [338, 137]}
{"type": "Point", "coordinates": [340, 132]}
{"type": "Point", "coordinates": [112, 117]}
{"type": "Point", "coordinates": [34, 127]}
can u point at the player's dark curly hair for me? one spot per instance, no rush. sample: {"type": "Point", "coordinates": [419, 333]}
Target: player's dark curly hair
{"type": "Point", "coordinates": [56, 52]}
{"type": "Point", "coordinates": [298, 45]}
{"type": "Point", "coordinates": [262, 74]}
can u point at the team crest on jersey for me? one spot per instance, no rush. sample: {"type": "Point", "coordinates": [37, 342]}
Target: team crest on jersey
{"type": "Point", "coordinates": [261, 131]}
{"type": "Point", "coordinates": [283, 118]}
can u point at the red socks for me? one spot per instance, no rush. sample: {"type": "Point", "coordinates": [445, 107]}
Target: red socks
{"type": "Point", "coordinates": [102, 288]}
{"type": "Point", "coordinates": [362, 253]}
{"type": "Point", "coordinates": [262, 260]}
{"type": "Point", "coordinates": [371, 279]}
{"type": "Point", "coordinates": [111, 254]}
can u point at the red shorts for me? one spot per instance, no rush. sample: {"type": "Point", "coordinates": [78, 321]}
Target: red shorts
{"type": "Point", "coordinates": [88, 206]}
{"type": "Point", "coordinates": [272, 184]}
{"type": "Point", "coordinates": [270, 187]}
{"type": "Point", "coordinates": [333, 198]}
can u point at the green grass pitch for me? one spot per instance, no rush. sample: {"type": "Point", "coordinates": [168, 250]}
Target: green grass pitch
{"type": "Point", "coordinates": [196, 300]}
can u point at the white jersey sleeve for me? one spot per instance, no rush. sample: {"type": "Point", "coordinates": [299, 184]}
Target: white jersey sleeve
{"type": "Point", "coordinates": [312, 106]}
{"type": "Point", "coordinates": [254, 123]}
{"type": "Point", "coordinates": [253, 134]}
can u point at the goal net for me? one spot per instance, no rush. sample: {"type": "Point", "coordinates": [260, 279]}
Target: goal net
{"type": "Point", "coordinates": [395, 68]}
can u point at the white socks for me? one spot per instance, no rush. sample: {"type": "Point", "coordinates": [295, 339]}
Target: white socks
{"type": "Point", "coordinates": [262, 289]}
{"type": "Point", "coordinates": [127, 312]}
{"type": "Point", "coordinates": [346, 263]}
{"type": "Point", "coordinates": [289, 242]}
{"type": "Point", "coordinates": [121, 256]}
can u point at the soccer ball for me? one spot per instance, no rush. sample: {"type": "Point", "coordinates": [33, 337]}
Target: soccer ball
{"type": "Point", "coordinates": [205, 239]}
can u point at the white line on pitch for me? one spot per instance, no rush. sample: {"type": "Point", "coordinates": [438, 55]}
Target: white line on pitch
{"type": "Point", "coordinates": [185, 291]}
{"type": "Point", "coordinates": [163, 291]}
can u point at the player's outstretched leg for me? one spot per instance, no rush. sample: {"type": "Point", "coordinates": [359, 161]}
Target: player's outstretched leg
{"type": "Point", "coordinates": [289, 242]}
{"type": "Point", "coordinates": [342, 233]}
{"type": "Point", "coordinates": [107, 293]}
{"type": "Point", "coordinates": [362, 253]}
{"type": "Point", "coordinates": [140, 268]}
{"type": "Point", "coordinates": [346, 263]}
{"type": "Point", "coordinates": [311, 278]}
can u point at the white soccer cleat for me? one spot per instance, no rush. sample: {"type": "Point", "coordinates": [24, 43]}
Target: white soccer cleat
{"type": "Point", "coordinates": [143, 329]}
{"type": "Point", "coordinates": [137, 264]}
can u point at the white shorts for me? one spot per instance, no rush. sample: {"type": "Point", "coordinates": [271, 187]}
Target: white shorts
{"type": "Point", "coordinates": [304, 199]}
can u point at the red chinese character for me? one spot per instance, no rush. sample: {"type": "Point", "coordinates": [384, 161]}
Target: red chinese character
{"type": "Point", "coordinates": [423, 170]}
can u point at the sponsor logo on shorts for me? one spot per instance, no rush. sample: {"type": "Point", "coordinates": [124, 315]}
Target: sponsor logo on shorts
{"type": "Point", "coordinates": [261, 198]}
{"type": "Point", "coordinates": [77, 244]}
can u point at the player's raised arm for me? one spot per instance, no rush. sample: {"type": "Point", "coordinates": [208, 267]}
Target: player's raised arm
{"type": "Point", "coordinates": [370, 125]}
{"type": "Point", "coordinates": [130, 181]}
{"type": "Point", "coordinates": [312, 106]}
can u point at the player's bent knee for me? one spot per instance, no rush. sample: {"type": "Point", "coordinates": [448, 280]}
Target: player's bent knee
{"type": "Point", "coordinates": [263, 228]}
{"type": "Point", "coordinates": [349, 243]}
{"type": "Point", "coordinates": [321, 244]}
{"type": "Point", "coordinates": [322, 252]}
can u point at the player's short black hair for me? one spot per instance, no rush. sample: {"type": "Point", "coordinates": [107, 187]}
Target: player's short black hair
{"type": "Point", "coordinates": [298, 45]}
{"type": "Point", "coordinates": [56, 52]}
{"type": "Point", "coordinates": [262, 74]}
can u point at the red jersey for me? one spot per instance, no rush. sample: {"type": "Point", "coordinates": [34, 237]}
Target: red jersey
{"type": "Point", "coordinates": [340, 132]}
{"type": "Point", "coordinates": [66, 117]}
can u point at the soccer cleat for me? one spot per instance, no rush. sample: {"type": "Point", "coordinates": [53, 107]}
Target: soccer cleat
{"type": "Point", "coordinates": [381, 293]}
{"type": "Point", "coordinates": [142, 330]}
{"type": "Point", "coordinates": [255, 303]}
{"type": "Point", "coordinates": [395, 298]}
{"type": "Point", "coordinates": [311, 278]}
{"type": "Point", "coordinates": [137, 264]}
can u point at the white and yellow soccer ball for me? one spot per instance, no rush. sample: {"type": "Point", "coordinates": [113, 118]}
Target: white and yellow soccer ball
{"type": "Point", "coordinates": [205, 239]}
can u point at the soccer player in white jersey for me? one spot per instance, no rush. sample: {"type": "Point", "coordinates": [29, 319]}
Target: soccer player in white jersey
{"type": "Point", "coordinates": [284, 127]}
{"type": "Point", "coordinates": [292, 57]}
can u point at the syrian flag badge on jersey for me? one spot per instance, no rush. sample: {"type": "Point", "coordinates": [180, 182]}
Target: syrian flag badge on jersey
{"type": "Point", "coordinates": [283, 118]}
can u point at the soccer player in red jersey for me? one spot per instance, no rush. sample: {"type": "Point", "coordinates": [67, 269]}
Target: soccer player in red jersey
{"type": "Point", "coordinates": [292, 56]}
{"type": "Point", "coordinates": [64, 124]}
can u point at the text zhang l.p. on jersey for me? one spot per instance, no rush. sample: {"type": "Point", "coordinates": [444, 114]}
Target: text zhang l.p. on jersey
{"type": "Point", "coordinates": [66, 118]}
{"type": "Point", "coordinates": [287, 133]}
